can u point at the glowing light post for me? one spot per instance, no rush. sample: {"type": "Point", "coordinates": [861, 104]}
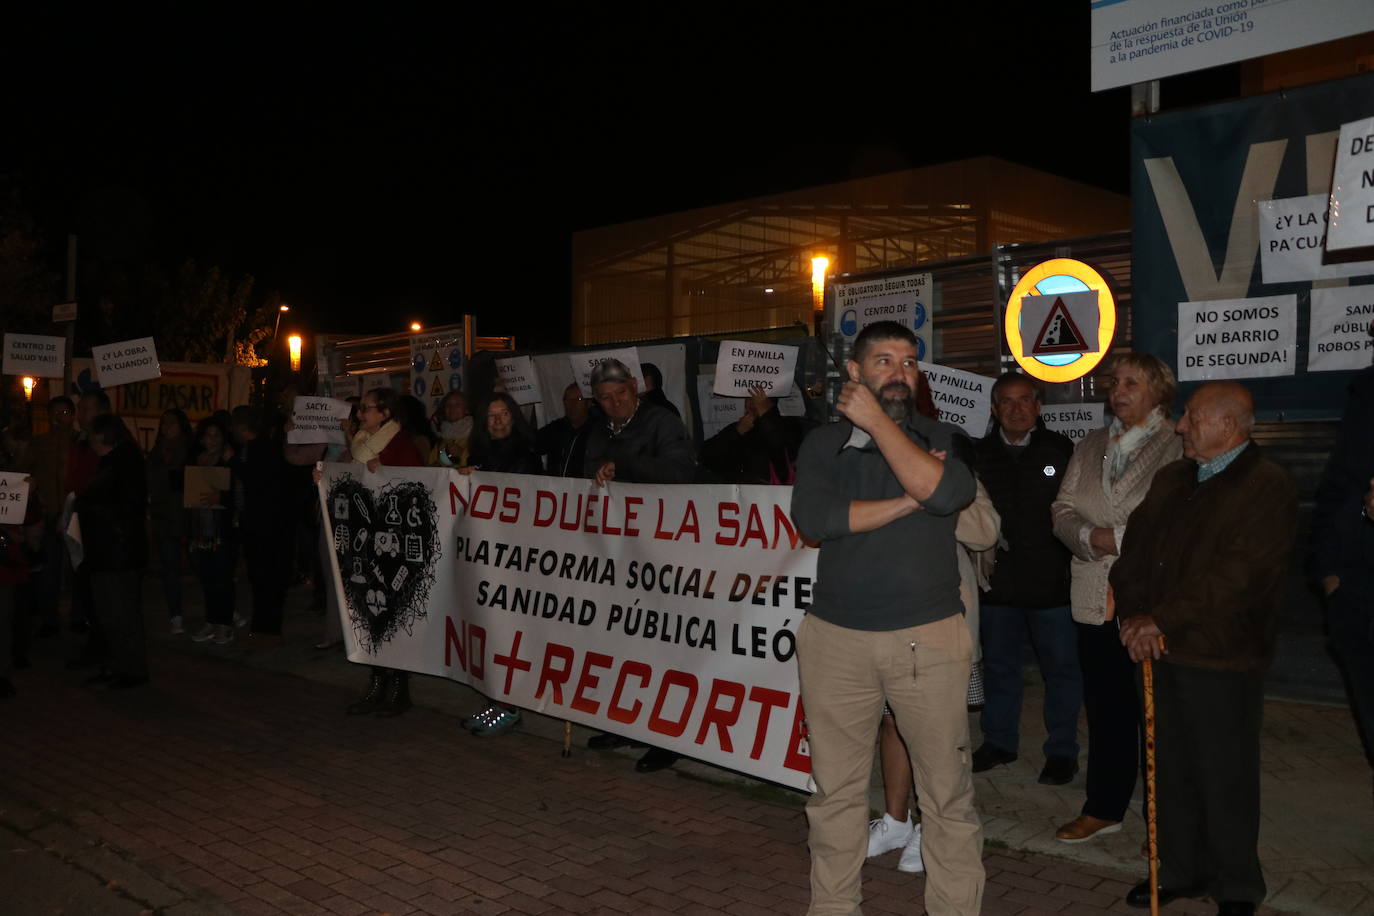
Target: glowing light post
{"type": "Point", "coordinates": [819, 265]}
{"type": "Point", "coordinates": [294, 342]}
{"type": "Point", "coordinates": [28, 383]}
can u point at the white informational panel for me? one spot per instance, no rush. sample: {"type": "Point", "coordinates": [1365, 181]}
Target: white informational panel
{"type": "Point", "coordinates": [517, 374]}
{"type": "Point", "coordinates": [436, 367]}
{"type": "Point", "coordinates": [907, 300]}
{"type": "Point", "coordinates": [583, 363]}
{"type": "Point", "coordinates": [1292, 238]}
{"type": "Point", "coordinates": [1134, 41]}
{"type": "Point", "coordinates": [717, 410]}
{"type": "Point", "coordinates": [125, 362]}
{"type": "Point", "coordinates": [316, 420]}
{"type": "Point", "coordinates": [745, 364]}
{"type": "Point", "coordinates": [348, 386]}
{"type": "Point", "coordinates": [963, 398]}
{"type": "Point", "coordinates": [14, 497]}
{"type": "Point", "coordinates": [1338, 336]}
{"type": "Point", "coordinates": [37, 355]}
{"type": "Point", "coordinates": [1237, 338]}
{"type": "Point", "coordinates": [1074, 420]}
{"type": "Point", "coordinates": [1352, 187]}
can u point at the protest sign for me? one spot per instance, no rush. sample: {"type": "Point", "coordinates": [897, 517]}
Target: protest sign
{"type": "Point", "coordinates": [1292, 238]}
{"type": "Point", "coordinates": [202, 485]}
{"type": "Point", "coordinates": [1237, 338]}
{"type": "Point", "coordinates": [347, 386]}
{"type": "Point", "coordinates": [1352, 188]}
{"type": "Point", "coordinates": [717, 411]}
{"type": "Point", "coordinates": [963, 398]}
{"type": "Point", "coordinates": [518, 375]}
{"type": "Point", "coordinates": [907, 299]}
{"type": "Point", "coordinates": [37, 355]}
{"type": "Point", "coordinates": [125, 362]}
{"type": "Point", "coordinates": [745, 364]}
{"type": "Point", "coordinates": [316, 420]}
{"type": "Point", "coordinates": [665, 614]}
{"type": "Point", "coordinates": [14, 497]}
{"type": "Point", "coordinates": [583, 363]}
{"type": "Point", "coordinates": [1074, 420]}
{"type": "Point", "coordinates": [436, 367]}
{"type": "Point", "coordinates": [1338, 333]}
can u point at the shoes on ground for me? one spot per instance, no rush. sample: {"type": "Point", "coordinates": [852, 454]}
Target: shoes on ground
{"type": "Point", "coordinates": [1139, 895]}
{"type": "Point", "coordinates": [176, 626]}
{"type": "Point", "coordinates": [911, 861]}
{"type": "Point", "coordinates": [1058, 771]}
{"type": "Point", "coordinates": [224, 635]}
{"type": "Point", "coordinates": [1084, 828]}
{"type": "Point", "coordinates": [204, 634]}
{"type": "Point", "coordinates": [608, 742]}
{"type": "Point", "coordinates": [989, 756]}
{"type": "Point", "coordinates": [240, 621]}
{"type": "Point", "coordinates": [655, 759]}
{"type": "Point", "coordinates": [493, 721]}
{"type": "Point", "coordinates": [886, 833]}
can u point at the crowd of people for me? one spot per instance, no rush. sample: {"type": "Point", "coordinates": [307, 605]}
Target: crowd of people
{"type": "Point", "coordinates": [941, 557]}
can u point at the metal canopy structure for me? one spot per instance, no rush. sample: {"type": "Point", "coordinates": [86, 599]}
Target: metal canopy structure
{"type": "Point", "coordinates": [747, 264]}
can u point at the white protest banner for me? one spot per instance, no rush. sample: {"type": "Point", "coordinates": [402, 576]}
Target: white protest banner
{"type": "Point", "coordinates": [1352, 187]}
{"type": "Point", "coordinates": [1074, 420]}
{"type": "Point", "coordinates": [794, 405]}
{"type": "Point", "coordinates": [1338, 333]}
{"type": "Point", "coordinates": [436, 367]}
{"type": "Point", "coordinates": [1135, 41]}
{"type": "Point", "coordinates": [1237, 338]}
{"type": "Point", "coordinates": [963, 398]}
{"type": "Point", "coordinates": [14, 497]}
{"type": "Point", "coordinates": [347, 386]}
{"type": "Point", "coordinates": [663, 613]}
{"type": "Point", "coordinates": [1292, 238]}
{"type": "Point", "coordinates": [717, 411]}
{"type": "Point", "coordinates": [316, 420]}
{"type": "Point", "coordinates": [37, 355]}
{"type": "Point", "coordinates": [518, 375]}
{"type": "Point", "coordinates": [907, 299]}
{"type": "Point", "coordinates": [125, 362]}
{"type": "Point", "coordinates": [583, 363]}
{"type": "Point", "coordinates": [746, 364]}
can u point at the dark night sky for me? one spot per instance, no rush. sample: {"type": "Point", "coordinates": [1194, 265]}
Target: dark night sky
{"type": "Point", "coordinates": [424, 164]}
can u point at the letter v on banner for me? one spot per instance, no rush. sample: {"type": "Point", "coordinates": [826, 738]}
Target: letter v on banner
{"type": "Point", "coordinates": [1191, 254]}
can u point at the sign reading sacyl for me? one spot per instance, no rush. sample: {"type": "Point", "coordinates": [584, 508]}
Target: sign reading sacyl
{"type": "Point", "coordinates": [126, 361]}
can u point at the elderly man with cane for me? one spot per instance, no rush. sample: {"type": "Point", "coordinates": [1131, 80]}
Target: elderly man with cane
{"type": "Point", "coordinates": [1197, 591]}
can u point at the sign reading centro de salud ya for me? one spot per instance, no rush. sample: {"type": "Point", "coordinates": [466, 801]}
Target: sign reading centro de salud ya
{"type": "Point", "coordinates": [1060, 320]}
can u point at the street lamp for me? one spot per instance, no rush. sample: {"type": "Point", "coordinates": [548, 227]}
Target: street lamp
{"type": "Point", "coordinates": [28, 383]}
{"type": "Point", "coordinates": [277, 327]}
{"type": "Point", "coordinates": [294, 342]}
{"type": "Point", "coordinates": [415, 326]}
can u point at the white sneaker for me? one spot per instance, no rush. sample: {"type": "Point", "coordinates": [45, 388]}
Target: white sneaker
{"type": "Point", "coordinates": [886, 834]}
{"type": "Point", "coordinates": [224, 635]}
{"type": "Point", "coordinates": [240, 620]}
{"type": "Point", "coordinates": [204, 634]}
{"type": "Point", "coordinates": [178, 626]}
{"type": "Point", "coordinates": [911, 855]}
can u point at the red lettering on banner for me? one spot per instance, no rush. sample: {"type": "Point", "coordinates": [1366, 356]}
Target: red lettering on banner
{"type": "Point", "coordinates": [513, 661]}
{"type": "Point", "coordinates": [782, 521]}
{"type": "Point", "coordinates": [470, 642]}
{"type": "Point", "coordinates": [630, 514]}
{"type": "Point", "coordinates": [722, 719]}
{"type": "Point", "coordinates": [606, 527]}
{"type": "Point", "coordinates": [455, 496]}
{"type": "Point", "coordinates": [615, 710]}
{"type": "Point", "coordinates": [688, 525]}
{"type": "Point", "coordinates": [588, 681]}
{"type": "Point", "coordinates": [754, 529]}
{"type": "Point", "coordinates": [794, 759]}
{"type": "Point", "coordinates": [587, 523]}
{"type": "Point", "coordinates": [767, 698]}
{"type": "Point", "coordinates": [555, 677]}
{"type": "Point", "coordinates": [673, 678]}
{"type": "Point", "coordinates": [544, 500]}
{"type": "Point", "coordinates": [476, 509]}
{"type": "Point", "coordinates": [510, 501]}
{"type": "Point", "coordinates": [726, 522]}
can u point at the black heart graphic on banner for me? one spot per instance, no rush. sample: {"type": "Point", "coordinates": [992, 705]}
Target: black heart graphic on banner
{"type": "Point", "coordinates": [387, 542]}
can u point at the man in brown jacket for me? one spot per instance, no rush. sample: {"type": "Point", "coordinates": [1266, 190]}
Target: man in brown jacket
{"type": "Point", "coordinates": [1203, 565]}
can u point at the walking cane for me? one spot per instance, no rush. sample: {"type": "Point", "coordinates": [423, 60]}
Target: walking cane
{"type": "Point", "coordinates": [567, 740]}
{"type": "Point", "coordinates": [1147, 675]}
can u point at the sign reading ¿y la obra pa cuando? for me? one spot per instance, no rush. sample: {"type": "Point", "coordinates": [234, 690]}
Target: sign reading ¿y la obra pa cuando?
{"type": "Point", "coordinates": [1292, 238]}
{"type": "Point", "coordinates": [38, 355]}
{"type": "Point", "coordinates": [745, 364]}
{"type": "Point", "coordinates": [665, 614]}
{"type": "Point", "coordinates": [125, 362]}
{"type": "Point", "coordinates": [1338, 336]}
{"type": "Point", "coordinates": [963, 398]}
{"type": "Point", "coordinates": [1237, 338]}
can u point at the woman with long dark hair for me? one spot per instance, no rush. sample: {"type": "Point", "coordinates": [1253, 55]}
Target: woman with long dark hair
{"type": "Point", "coordinates": [166, 465]}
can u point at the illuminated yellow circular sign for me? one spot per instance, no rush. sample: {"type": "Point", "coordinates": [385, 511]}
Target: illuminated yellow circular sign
{"type": "Point", "coordinates": [1063, 344]}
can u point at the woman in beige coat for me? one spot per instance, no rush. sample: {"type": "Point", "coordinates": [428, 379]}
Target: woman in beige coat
{"type": "Point", "coordinates": [1108, 476]}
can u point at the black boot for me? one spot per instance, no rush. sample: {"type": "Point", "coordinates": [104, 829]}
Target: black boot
{"type": "Point", "coordinates": [370, 700]}
{"type": "Point", "coordinates": [396, 694]}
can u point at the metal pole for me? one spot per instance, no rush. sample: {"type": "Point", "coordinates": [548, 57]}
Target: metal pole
{"type": "Point", "coordinates": [71, 325]}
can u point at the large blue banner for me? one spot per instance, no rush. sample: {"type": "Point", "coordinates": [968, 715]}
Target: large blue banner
{"type": "Point", "coordinates": [1198, 178]}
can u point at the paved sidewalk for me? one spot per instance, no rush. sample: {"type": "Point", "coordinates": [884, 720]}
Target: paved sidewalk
{"type": "Point", "coordinates": [235, 785]}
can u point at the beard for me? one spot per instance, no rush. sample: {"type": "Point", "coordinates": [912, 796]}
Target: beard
{"type": "Point", "coordinates": [897, 399]}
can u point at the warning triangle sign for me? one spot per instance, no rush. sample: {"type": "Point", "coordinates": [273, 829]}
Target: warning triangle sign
{"type": "Point", "coordinates": [1060, 334]}
{"type": "Point", "coordinates": [437, 386]}
{"type": "Point", "coordinates": [436, 364]}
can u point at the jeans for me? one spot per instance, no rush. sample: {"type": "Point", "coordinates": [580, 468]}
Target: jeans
{"type": "Point", "coordinates": [922, 672]}
{"type": "Point", "coordinates": [1114, 721]}
{"type": "Point", "coordinates": [1003, 629]}
{"type": "Point", "coordinates": [216, 571]}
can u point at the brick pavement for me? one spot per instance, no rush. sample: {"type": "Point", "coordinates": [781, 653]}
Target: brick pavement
{"type": "Point", "coordinates": [247, 789]}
